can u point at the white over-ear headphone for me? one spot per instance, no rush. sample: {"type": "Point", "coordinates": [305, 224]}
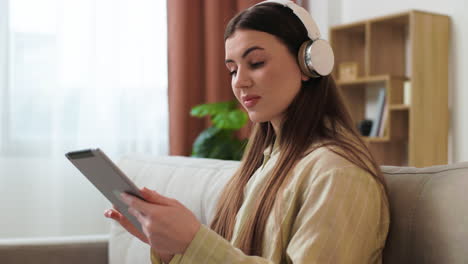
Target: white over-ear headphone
{"type": "Point", "coordinates": [315, 56]}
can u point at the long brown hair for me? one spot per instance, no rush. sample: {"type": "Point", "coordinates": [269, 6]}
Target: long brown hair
{"type": "Point", "coordinates": [317, 114]}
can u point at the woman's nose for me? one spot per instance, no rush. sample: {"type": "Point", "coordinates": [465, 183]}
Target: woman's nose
{"type": "Point", "coordinates": [242, 80]}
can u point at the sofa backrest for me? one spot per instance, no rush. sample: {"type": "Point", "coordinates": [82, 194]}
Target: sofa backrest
{"type": "Point", "coordinates": [196, 183]}
{"type": "Point", "coordinates": [429, 217]}
{"type": "Point", "coordinates": [429, 214]}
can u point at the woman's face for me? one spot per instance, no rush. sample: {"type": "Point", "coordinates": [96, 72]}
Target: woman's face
{"type": "Point", "coordinates": [265, 75]}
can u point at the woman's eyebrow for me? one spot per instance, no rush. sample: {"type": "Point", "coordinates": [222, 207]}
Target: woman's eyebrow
{"type": "Point", "coordinates": [246, 52]}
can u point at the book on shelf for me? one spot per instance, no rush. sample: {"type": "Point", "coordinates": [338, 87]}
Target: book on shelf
{"type": "Point", "coordinates": [381, 104]}
{"type": "Point", "coordinates": [383, 122]}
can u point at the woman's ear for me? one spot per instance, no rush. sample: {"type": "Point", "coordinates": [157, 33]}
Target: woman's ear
{"type": "Point", "coordinates": [304, 77]}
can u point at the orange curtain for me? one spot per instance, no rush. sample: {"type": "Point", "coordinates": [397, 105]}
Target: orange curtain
{"type": "Point", "coordinates": [196, 63]}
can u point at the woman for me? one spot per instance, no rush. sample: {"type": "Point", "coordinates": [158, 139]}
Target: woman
{"type": "Point", "coordinates": [307, 190]}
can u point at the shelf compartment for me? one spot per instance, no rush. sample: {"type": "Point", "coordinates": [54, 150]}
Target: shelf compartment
{"type": "Point", "coordinates": [391, 153]}
{"type": "Point", "coordinates": [400, 107]}
{"type": "Point", "coordinates": [355, 49]}
{"type": "Point", "coordinates": [398, 125]}
{"type": "Point", "coordinates": [376, 139]}
{"type": "Point", "coordinates": [370, 79]}
{"type": "Point", "coordinates": [356, 92]}
{"type": "Point", "coordinates": [389, 45]}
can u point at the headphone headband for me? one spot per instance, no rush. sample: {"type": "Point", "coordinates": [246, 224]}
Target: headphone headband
{"type": "Point", "coordinates": [315, 55]}
{"type": "Point", "coordinates": [312, 29]}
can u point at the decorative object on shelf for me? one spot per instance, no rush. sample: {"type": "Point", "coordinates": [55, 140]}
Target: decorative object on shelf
{"type": "Point", "coordinates": [348, 71]}
{"type": "Point", "coordinates": [219, 140]}
{"type": "Point", "coordinates": [407, 93]}
{"type": "Point", "coordinates": [364, 127]}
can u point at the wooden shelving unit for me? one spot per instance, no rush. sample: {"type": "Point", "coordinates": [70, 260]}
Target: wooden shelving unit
{"type": "Point", "coordinates": [389, 51]}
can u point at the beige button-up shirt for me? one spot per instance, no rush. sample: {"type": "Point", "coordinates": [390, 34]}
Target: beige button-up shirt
{"type": "Point", "coordinates": [332, 212]}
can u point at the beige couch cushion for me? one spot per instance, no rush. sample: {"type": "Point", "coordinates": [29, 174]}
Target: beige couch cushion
{"type": "Point", "coordinates": [429, 210]}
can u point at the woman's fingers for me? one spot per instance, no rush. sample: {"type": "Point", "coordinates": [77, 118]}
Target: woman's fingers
{"type": "Point", "coordinates": [112, 214]}
{"type": "Point", "coordinates": [144, 207]}
{"type": "Point", "coordinates": [154, 197]}
{"type": "Point", "coordinates": [168, 224]}
{"type": "Point", "coordinates": [135, 202]}
{"type": "Point", "coordinates": [125, 223]}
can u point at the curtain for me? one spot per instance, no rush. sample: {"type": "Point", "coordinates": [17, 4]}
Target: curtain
{"type": "Point", "coordinates": [197, 73]}
{"type": "Point", "coordinates": [75, 74]}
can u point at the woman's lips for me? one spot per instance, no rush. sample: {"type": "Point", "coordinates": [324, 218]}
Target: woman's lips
{"type": "Point", "coordinates": [251, 101]}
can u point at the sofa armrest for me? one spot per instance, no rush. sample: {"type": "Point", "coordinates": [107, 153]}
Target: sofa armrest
{"type": "Point", "coordinates": [70, 250]}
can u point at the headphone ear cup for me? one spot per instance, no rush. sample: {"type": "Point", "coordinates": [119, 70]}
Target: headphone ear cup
{"type": "Point", "coordinates": [316, 58]}
{"type": "Point", "coordinates": [302, 59]}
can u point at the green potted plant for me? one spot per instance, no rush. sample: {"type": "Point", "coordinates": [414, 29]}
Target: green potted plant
{"type": "Point", "coordinates": [219, 140]}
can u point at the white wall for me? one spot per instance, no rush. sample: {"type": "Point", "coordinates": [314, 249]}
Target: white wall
{"type": "Point", "coordinates": [325, 13]}
{"type": "Point", "coordinates": [332, 12]}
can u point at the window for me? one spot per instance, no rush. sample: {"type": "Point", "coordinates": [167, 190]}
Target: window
{"type": "Point", "coordinates": [76, 74]}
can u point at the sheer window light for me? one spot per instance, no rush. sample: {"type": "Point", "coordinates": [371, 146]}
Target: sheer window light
{"type": "Point", "coordinates": [75, 74]}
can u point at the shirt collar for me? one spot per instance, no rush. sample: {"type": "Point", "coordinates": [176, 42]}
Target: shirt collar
{"type": "Point", "coordinates": [270, 151]}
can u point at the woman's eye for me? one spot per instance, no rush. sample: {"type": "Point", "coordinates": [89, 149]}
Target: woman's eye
{"type": "Point", "coordinates": [257, 64]}
{"type": "Point", "coordinates": [252, 65]}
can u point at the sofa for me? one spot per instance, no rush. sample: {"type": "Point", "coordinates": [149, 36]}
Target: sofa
{"type": "Point", "coordinates": [429, 213]}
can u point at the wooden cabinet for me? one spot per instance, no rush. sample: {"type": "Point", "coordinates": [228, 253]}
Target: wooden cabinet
{"type": "Point", "coordinates": [411, 48]}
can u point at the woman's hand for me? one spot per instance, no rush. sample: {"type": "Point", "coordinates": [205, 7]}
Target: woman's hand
{"type": "Point", "coordinates": [168, 226]}
{"type": "Point", "coordinates": [125, 223]}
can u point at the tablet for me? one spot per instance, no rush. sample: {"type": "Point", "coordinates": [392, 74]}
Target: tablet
{"type": "Point", "coordinates": [106, 177]}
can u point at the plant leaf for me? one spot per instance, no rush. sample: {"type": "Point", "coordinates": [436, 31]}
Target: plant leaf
{"type": "Point", "coordinates": [204, 141]}
{"type": "Point", "coordinates": [234, 119]}
{"type": "Point", "coordinates": [212, 109]}
{"type": "Point", "coordinates": [218, 143]}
